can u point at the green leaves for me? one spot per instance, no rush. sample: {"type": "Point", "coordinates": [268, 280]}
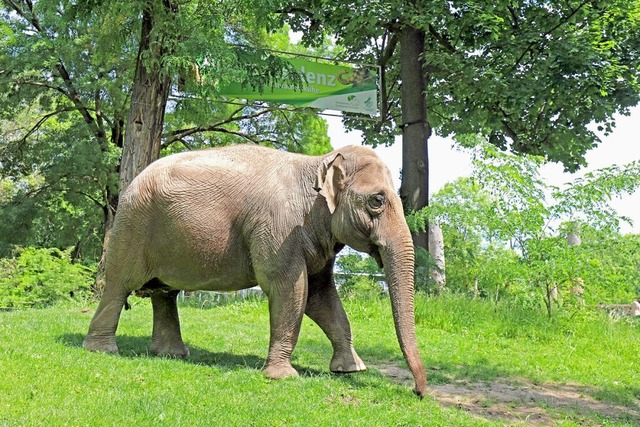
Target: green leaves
{"type": "Point", "coordinates": [503, 201]}
{"type": "Point", "coordinates": [66, 77]}
{"type": "Point", "coordinates": [358, 276]}
{"type": "Point", "coordinates": [555, 74]}
{"type": "Point", "coordinates": [506, 232]}
{"type": "Point", "coordinates": [530, 76]}
{"type": "Point", "coordinates": [41, 277]}
{"type": "Point", "coordinates": [588, 198]}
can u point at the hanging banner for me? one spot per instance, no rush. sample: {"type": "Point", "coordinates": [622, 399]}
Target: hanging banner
{"type": "Point", "coordinates": [328, 87]}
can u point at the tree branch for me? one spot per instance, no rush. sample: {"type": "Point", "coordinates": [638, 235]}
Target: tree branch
{"type": "Point", "coordinates": [509, 130]}
{"type": "Point", "coordinates": [241, 134]}
{"type": "Point", "coordinates": [42, 120]}
{"type": "Point", "coordinates": [389, 49]}
{"type": "Point", "coordinates": [98, 109]}
{"type": "Point", "coordinates": [514, 15]}
{"type": "Point", "coordinates": [294, 10]}
{"type": "Point", "coordinates": [562, 22]}
{"type": "Point", "coordinates": [33, 20]}
{"type": "Point", "coordinates": [443, 41]}
{"type": "Point", "coordinates": [99, 203]}
{"type": "Point", "coordinates": [70, 92]}
{"type": "Point", "coordinates": [314, 23]}
{"type": "Point", "coordinates": [41, 84]}
{"type": "Point", "coordinates": [216, 127]}
{"type": "Point", "coordinates": [77, 101]}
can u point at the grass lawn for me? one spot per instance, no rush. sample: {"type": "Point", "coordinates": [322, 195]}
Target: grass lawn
{"type": "Point", "coordinates": [486, 366]}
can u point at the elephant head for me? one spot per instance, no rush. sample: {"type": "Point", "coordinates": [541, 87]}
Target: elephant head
{"type": "Point", "coordinates": [367, 214]}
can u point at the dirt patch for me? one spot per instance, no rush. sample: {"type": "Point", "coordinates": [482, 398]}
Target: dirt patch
{"type": "Point", "coordinates": [520, 402]}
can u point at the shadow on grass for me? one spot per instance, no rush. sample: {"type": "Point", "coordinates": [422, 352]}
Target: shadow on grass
{"type": "Point", "coordinates": [438, 371]}
{"type": "Point", "coordinates": [136, 347]}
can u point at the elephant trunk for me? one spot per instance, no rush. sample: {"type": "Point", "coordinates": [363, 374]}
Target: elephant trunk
{"type": "Point", "coordinates": [398, 260]}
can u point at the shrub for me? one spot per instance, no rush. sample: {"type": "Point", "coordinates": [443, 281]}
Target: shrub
{"type": "Point", "coordinates": [36, 277]}
{"type": "Point", "coordinates": [358, 276]}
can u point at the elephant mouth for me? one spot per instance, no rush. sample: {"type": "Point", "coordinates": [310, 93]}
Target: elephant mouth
{"type": "Point", "coordinates": [375, 253]}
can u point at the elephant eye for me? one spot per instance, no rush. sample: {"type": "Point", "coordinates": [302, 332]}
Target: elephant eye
{"type": "Point", "coordinates": [376, 201]}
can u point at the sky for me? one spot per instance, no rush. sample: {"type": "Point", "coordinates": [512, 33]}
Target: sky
{"type": "Point", "coordinates": [446, 162]}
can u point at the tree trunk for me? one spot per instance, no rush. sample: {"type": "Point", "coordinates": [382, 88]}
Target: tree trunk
{"type": "Point", "coordinates": [98, 285]}
{"type": "Point", "coordinates": [436, 249]}
{"type": "Point", "coordinates": [548, 297]}
{"type": "Point", "coordinates": [414, 189]}
{"type": "Point", "coordinates": [573, 238]}
{"type": "Point", "coordinates": [145, 119]}
{"type": "Point", "coordinates": [108, 209]}
{"type": "Point", "coordinates": [151, 86]}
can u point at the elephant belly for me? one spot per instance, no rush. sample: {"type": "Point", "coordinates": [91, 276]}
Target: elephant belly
{"type": "Point", "coordinates": [210, 260]}
{"type": "Point", "coordinates": [207, 274]}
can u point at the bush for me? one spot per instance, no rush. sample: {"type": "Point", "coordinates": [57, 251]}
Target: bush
{"type": "Point", "coordinates": [41, 277]}
{"type": "Point", "coordinates": [424, 265]}
{"type": "Point", "coordinates": [358, 276]}
{"type": "Point", "coordinates": [211, 299]}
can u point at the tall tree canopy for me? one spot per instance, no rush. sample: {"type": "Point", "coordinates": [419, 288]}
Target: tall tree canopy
{"type": "Point", "coordinates": [77, 84]}
{"type": "Point", "coordinates": [78, 80]}
{"type": "Point", "coordinates": [529, 75]}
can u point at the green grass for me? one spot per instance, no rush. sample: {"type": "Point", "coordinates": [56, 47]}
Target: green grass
{"type": "Point", "coordinates": [46, 378]}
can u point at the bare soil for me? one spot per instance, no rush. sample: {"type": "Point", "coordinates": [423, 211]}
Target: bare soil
{"type": "Point", "coordinates": [521, 402]}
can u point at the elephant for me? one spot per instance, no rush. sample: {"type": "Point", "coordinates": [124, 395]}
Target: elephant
{"type": "Point", "coordinates": [230, 218]}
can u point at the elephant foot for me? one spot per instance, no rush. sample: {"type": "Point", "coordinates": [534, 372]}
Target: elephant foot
{"type": "Point", "coordinates": [276, 372]}
{"type": "Point", "coordinates": [100, 344]}
{"type": "Point", "coordinates": [177, 351]}
{"type": "Point", "coordinates": [347, 362]}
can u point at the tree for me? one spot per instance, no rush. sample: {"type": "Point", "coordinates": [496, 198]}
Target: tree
{"type": "Point", "coordinates": [530, 76]}
{"type": "Point", "coordinates": [414, 189]}
{"type": "Point", "coordinates": [610, 261]}
{"type": "Point", "coordinates": [69, 91]}
{"type": "Point", "coordinates": [70, 73]}
{"type": "Point", "coordinates": [506, 231]}
{"type": "Point", "coordinates": [436, 250]}
{"type": "Point", "coordinates": [40, 277]}
{"type": "Point", "coordinates": [150, 89]}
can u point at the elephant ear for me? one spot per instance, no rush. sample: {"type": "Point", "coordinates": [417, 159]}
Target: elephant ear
{"type": "Point", "coordinates": [330, 179]}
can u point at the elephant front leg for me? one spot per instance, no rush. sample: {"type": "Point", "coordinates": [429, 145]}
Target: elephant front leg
{"type": "Point", "coordinates": [286, 307]}
{"type": "Point", "coordinates": [325, 308]}
{"type": "Point", "coordinates": [166, 339]}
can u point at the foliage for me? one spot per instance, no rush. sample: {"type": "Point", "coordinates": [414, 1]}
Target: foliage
{"type": "Point", "coordinates": [51, 193]}
{"type": "Point", "coordinates": [506, 233]}
{"type": "Point", "coordinates": [610, 266]}
{"type": "Point", "coordinates": [587, 198]}
{"type": "Point", "coordinates": [358, 276]}
{"type": "Point", "coordinates": [209, 299]}
{"type": "Point", "coordinates": [462, 342]}
{"type": "Point", "coordinates": [66, 76]}
{"type": "Point", "coordinates": [503, 200]}
{"type": "Point", "coordinates": [41, 277]}
{"type": "Point", "coordinates": [531, 76]}
{"type": "Point", "coordinates": [424, 265]}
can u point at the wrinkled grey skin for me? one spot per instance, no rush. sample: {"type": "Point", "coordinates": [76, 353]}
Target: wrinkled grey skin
{"type": "Point", "coordinates": [230, 218]}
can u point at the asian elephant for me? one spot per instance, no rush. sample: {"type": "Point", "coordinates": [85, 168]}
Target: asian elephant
{"type": "Point", "coordinates": [230, 218]}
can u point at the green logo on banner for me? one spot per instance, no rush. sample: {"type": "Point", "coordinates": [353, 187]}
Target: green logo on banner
{"type": "Point", "coordinates": [328, 86]}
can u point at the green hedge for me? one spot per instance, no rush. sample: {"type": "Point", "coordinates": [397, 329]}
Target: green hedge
{"type": "Point", "coordinates": [40, 277]}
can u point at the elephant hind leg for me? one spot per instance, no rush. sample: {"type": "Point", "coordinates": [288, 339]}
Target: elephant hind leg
{"type": "Point", "coordinates": [102, 330]}
{"type": "Point", "coordinates": [166, 339]}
